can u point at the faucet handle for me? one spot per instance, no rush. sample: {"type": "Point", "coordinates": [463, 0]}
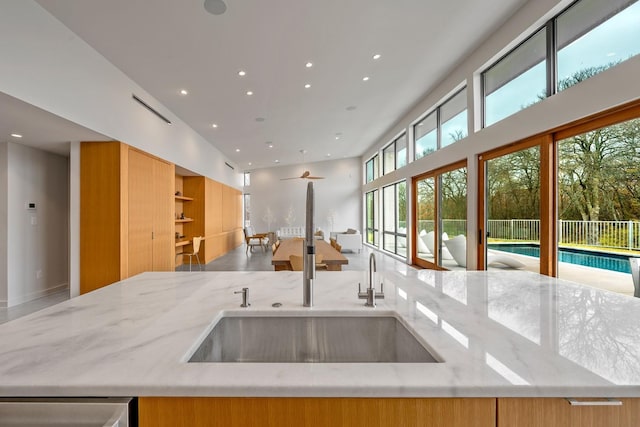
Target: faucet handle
{"type": "Point", "coordinates": [380, 295]}
{"type": "Point", "coordinates": [361, 295]}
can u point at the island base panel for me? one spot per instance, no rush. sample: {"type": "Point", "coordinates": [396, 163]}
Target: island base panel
{"type": "Point", "coordinates": [315, 412]}
{"type": "Point", "coordinates": [547, 412]}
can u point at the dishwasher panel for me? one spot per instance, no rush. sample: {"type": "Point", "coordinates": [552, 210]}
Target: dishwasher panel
{"type": "Point", "coordinates": [67, 412]}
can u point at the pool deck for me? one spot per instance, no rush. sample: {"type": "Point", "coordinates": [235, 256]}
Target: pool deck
{"type": "Point", "coordinates": [613, 281]}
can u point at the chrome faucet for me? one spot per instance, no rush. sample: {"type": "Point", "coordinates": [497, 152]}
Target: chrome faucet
{"type": "Point", "coordinates": [371, 295]}
{"type": "Point", "coordinates": [309, 258]}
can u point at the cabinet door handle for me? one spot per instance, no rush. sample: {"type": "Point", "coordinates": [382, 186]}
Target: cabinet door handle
{"type": "Point", "coordinates": [606, 402]}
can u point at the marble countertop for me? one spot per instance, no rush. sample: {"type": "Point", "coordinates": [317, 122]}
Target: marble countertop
{"type": "Point", "coordinates": [499, 334]}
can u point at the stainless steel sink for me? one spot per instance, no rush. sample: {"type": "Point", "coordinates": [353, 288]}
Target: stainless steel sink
{"type": "Point", "coordinates": [379, 339]}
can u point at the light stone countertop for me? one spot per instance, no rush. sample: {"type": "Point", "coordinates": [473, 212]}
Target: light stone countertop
{"type": "Point", "coordinates": [502, 333]}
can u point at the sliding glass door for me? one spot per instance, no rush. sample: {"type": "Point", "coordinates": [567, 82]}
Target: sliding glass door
{"type": "Point", "coordinates": [440, 209]}
{"type": "Point", "coordinates": [512, 207]}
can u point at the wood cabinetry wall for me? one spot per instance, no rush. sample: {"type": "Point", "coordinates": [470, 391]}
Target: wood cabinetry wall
{"type": "Point", "coordinates": [126, 213]}
{"type": "Point", "coordinates": [216, 210]}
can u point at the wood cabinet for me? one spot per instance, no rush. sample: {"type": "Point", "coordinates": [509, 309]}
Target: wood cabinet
{"type": "Point", "coordinates": [552, 412]}
{"type": "Point", "coordinates": [315, 412]}
{"type": "Point", "coordinates": [215, 213]}
{"type": "Point", "coordinates": [126, 213]}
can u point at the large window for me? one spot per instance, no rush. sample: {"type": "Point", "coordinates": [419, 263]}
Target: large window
{"type": "Point", "coordinates": [566, 204]}
{"type": "Point", "coordinates": [599, 203]}
{"type": "Point", "coordinates": [394, 155]}
{"type": "Point", "coordinates": [513, 208]}
{"type": "Point", "coordinates": [453, 119]}
{"type": "Point", "coordinates": [247, 209]}
{"type": "Point", "coordinates": [372, 226]}
{"type": "Point", "coordinates": [516, 81]}
{"type": "Point", "coordinates": [594, 35]}
{"type": "Point", "coordinates": [444, 126]}
{"type": "Point", "coordinates": [247, 179]}
{"type": "Point", "coordinates": [394, 200]}
{"type": "Point", "coordinates": [425, 134]}
{"type": "Point", "coordinates": [371, 168]}
{"type": "Point", "coordinates": [441, 212]}
{"type": "Point", "coordinates": [591, 36]}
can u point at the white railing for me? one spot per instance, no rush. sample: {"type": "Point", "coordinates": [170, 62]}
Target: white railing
{"type": "Point", "coordinates": [605, 234]}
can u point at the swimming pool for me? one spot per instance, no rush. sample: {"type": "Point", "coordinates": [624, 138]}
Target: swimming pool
{"type": "Point", "coordinates": [602, 260]}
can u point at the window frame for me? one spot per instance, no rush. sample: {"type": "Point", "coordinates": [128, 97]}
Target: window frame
{"type": "Point", "coordinates": [438, 114]}
{"type": "Point", "coordinates": [374, 160]}
{"type": "Point", "coordinates": [552, 81]}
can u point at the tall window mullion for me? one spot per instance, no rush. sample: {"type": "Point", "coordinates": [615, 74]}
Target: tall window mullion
{"type": "Point", "coordinates": [552, 63]}
{"type": "Point", "coordinates": [372, 227]}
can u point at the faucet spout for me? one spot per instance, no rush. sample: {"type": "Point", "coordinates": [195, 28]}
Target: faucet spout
{"type": "Point", "coordinates": [309, 258]}
{"type": "Point", "coordinates": [372, 268]}
{"type": "Point", "coordinates": [370, 294]}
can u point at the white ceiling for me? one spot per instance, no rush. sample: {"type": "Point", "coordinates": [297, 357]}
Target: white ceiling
{"type": "Point", "coordinates": [166, 46]}
{"type": "Point", "coordinates": [40, 129]}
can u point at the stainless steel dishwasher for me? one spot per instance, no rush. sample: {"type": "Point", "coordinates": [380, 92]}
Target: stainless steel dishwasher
{"type": "Point", "coordinates": [68, 412]}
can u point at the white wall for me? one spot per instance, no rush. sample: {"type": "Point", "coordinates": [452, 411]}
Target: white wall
{"type": "Point", "coordinates": [47, 65]}
{"type": "Point", "coordinates": [339, 194]}
{"type": "Point", "coordinates": [37, 240]}
{"type": "Point", "coordinates": [611, 88]}
{"type": "Point", "coordinates": [4, 296]}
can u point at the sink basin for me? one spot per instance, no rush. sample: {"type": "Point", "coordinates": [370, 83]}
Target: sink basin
{"type": "Point", "coordinates": [373, 339]}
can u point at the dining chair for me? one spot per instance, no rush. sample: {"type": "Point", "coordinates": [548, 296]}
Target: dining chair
{"type": "Point", "coordinates": [252, 239]}
{"type": "Point", "coordinates": [320, 265]}
{"type": "Point", "coordinates": [296, 262]}
{"type": "Point", "coordinates": [195, 244]}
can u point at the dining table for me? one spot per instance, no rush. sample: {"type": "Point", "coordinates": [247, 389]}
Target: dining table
{"type": "Point", "coordinates": [333, 259]}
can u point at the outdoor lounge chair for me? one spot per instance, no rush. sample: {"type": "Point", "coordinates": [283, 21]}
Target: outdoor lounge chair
{"type": "Point", "coordinates": [430, 242]}
{"type": "Point", "coordinates": [458, 249]}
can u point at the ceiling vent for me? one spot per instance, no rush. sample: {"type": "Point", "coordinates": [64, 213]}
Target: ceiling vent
{"type": "Point", "coordinates": [148, 107]}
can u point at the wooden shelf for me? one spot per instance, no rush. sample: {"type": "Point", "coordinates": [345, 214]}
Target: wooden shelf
{"type": "Point", "coordinates": [184, 220]}
{"type": "Point", "coordinates": [186, 199]}
{"type": "Point", "coordinates": [183, 243]}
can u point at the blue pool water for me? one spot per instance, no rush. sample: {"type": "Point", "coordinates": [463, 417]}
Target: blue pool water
{"type": "Point", "coordinates": [603, 260]}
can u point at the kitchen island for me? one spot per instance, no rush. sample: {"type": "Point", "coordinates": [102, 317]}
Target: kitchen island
{"type": "Point", "coordinates": [496, 334]}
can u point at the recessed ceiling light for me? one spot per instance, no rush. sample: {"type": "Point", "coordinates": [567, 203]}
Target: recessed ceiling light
{"type": "Point", "coordinates": [376, 56]}
{"type": "Point", "coordinates": [237, 150]}
{"type": "Point", "coordinates": [276, 161]}
{"type": "Point", "coordinates": [351, 108]}
{"type": "Point", "coordinates": [215, 7]}
{"type": "Point", "coordinates": [249, 93]}
{"type": "Point", "coordinates": [249, 163]}
{"type": "Point", "coordinates": [307, 86]}
{"type": "Point", "coordinates": [184, 92]}
{"type": "Point", "coordinates": [337, 137]}
{"type": "Point", "coordinates": [214, 125]}
{"type": "Point", "coordinates": [241, 73]}
{"type": "Point", "coordinates": [309, 64]}
{"type": "Point", "coordinates": [16, 135]}
{"type": "Point", "coordinates": [259, 119]}
{"type": "Point", "coordinates": [328, 154]}
{"type": "Point", "coordinates": [364, 79]}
